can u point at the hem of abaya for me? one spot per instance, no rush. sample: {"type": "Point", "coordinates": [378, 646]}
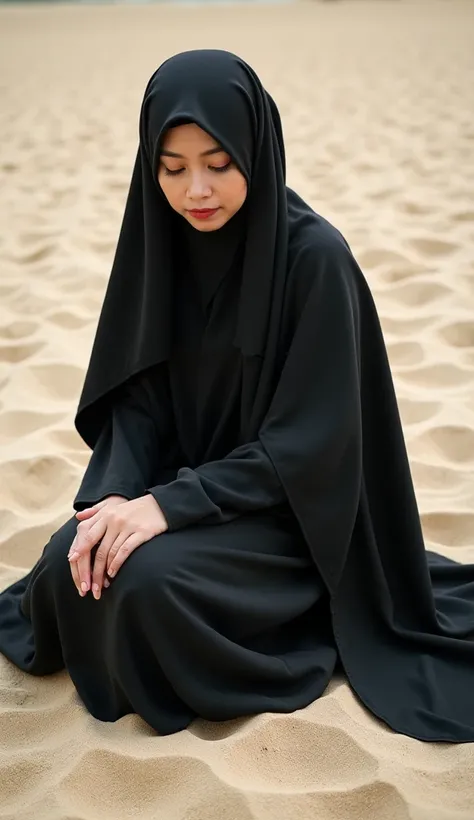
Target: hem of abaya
{"type": "Point", "coordinates": [376, 712]}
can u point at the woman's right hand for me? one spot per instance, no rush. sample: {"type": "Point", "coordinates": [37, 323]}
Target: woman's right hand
{"type": "Point", "coordinates": [84, 563]}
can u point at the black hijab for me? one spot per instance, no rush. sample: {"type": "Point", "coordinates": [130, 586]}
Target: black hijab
{"type": "Point", "coordinates": [223, 95]}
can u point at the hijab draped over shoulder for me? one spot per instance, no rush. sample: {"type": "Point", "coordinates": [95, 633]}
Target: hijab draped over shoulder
{"type": "Point", "coordinates": [317, 392]}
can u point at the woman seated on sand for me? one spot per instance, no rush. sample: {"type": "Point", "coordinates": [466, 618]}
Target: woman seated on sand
{"type": "Point", "coordinates": [247, 521]}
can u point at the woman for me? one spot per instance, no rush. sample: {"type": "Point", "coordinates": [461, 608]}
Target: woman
{"type": "Point", "coordinates": [247, 520]}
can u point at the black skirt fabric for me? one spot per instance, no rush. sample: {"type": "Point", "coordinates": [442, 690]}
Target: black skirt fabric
{"type": "Point", "coordinates": [216, 621]}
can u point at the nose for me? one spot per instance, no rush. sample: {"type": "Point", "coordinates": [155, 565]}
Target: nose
{"type": "Point", "coordinates": [198, 188]}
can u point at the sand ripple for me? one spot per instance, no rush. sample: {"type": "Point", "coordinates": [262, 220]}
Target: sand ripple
{"type": "Point", "coordinates": [377, 107]}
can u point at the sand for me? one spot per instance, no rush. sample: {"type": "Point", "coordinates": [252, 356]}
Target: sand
{"type": "Point", "coordinates": [376, 100]}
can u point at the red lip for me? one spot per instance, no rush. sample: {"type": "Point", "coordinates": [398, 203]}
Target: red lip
{"type": "Point", "coordinates": [202, 213]}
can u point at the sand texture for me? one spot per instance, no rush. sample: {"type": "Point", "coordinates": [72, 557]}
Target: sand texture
{"type": "Point", "coordinates": [377, 106]}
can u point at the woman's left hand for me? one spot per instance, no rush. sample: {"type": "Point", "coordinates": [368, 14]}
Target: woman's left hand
{"type": "Point", "coordinates": [120, 529]}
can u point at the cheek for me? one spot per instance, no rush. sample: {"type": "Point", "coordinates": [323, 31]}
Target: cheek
{"type": "Point", "coordinates": [237, 188]}
{"type": "Point", "coordinates": [169, 188]}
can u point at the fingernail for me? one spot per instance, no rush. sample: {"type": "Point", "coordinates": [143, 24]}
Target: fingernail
{"type": "Point", "coordinates": [111, 573]}
{"type": "Point", "coordinates": [84, 587]}
{"type": "Point", "coordinates": [106, 583]}
{"type": "Point", "coordinates": [96, 591]}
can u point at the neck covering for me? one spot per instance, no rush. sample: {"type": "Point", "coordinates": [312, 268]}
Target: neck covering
{"type": "Point", "coordinates": [211, 255]}
{"type": "Point", "coordinates": [222, 94]}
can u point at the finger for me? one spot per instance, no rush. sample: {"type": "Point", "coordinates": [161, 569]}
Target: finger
{"type": "Point", "coordinates": [89, 511]}
{"type": "Point", "coordinates": [132, 542]}
{"type": "Point", "coordinates": [72, 548]}
{"type": "Point", "coordinates": [87, 537]}
{"type": "Point", "coordinates": [76, 579]}
{"type": "Point", "coordinates": [112, 535]}
{"type": "Point", "coordinates": [82, 528]}
{"type": "Point", "coordinates": [84, 514]}
{"type": "Point", "coordinates": [119, 541]}
{"type": "Point", "coordinates": [75, 576]}
{"type": "Point", "coordinates": [84, 572]}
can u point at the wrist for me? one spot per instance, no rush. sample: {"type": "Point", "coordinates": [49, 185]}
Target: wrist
{"type": "Point", "coordinates": [162, 515]}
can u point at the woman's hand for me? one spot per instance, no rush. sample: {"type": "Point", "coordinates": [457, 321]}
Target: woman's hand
{"type": "Point", "coordinates": [120, 529]}
{"type": "Point", "coordinates": [82, 567]}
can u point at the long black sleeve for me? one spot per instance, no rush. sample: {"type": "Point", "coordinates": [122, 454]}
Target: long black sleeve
{"type": "Point", "coordinates": [245, 480]}
{"type": "Point", "coordinates": [125, 456]}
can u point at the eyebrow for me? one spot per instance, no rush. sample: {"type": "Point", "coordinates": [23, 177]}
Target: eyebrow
{"type": "Point", "coordinates": [218, 150]}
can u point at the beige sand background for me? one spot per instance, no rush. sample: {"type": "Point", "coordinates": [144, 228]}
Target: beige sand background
{"type": "Point", "coordinates": [377, 106]}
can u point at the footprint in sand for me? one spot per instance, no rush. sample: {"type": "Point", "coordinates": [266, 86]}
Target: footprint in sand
{"type": "Point", "coordinates": [380, 801]}
{"type": "Point", "coordinates": [468, 282]}
{"type": "Point", "coordinates": [15, 424]}
{"type": "Point", "coordinates": [262, 755]}
{"type": "Point", "coordinates": [37, 237]}
{"type": "Point", "coordinates": [387, 192]}
{"type": "Point", "coordinates": [24, 546]}
{"type": "Point", "coordinates": [468, 359]}
{"type": "Point", "coordinates": [25, 256]}
{"type": "Point", "coordinates": [5, 374]}
{"type": "Point", "coordinates": [18, 353]}
{"type": "Point", "coordinates": [450, 443]}
{"type": "Point", "coordinates": [373, 257]}
{"type": "Point", "coordinates": [18, 330]}
{"type": "Point", "coordinates": [20, 779]}
{"type": "Point", "coordinates": [68, 440]}
{"type": "Point", "coordinates": [403, 272]}
{"type": "Point", "coordinates": [405, 354]}
{"type": "Point", "coordinates": [418, 294]}
{"type": "Point", "coordinates": [38, 483]}
{"type": "Point", "coordinates": [27, 303]}
{"type": "Point", "coordinates": [72, 281]}
{"type": "Point", "coordinates": [437, 376]}
{"type": "Point", "coordinates": [415, 412]}
{"type": "Point", "coordinates": [463, 216]}
{"type": "Point", "coordinates": [429, 246]}
{"type": "Point", "coordinates": [68, 319]}
{"type": "Point", "coordinates": [454, 529]}
{"type": "Point", "coordinates": [7, 291]}
{"type": "Point", "coordinates": [102, 246]}
{"type": "Point", "coordinates": [54, 381]}
{"type": "Point", "coordinates": [432, 477]}
{"type": "Point", "coordinates": [405, 327]}
{"type": "Point", "coordinates": [182, 785]}
{"type": "Point", "coordinates": [92, 304]}
{"type": "Point", "coordinates": [411, 207]}
{"type": "Point", "coordinates": [36, 723]}
{"type": "Point", "coordinates": [458, 334]}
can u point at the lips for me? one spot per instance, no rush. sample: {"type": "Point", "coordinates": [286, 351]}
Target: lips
{"type": "Point", "coordinates": [202, 210]}
{"type": "Point", "coordinates": [203, 213]}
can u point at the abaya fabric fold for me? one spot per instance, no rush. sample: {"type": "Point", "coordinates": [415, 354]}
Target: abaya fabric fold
{"type": "Point", "coordinates": [257, 406]}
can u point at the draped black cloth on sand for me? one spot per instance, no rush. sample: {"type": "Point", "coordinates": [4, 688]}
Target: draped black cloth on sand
{"type": "Point", "coordinates": [241, 377]}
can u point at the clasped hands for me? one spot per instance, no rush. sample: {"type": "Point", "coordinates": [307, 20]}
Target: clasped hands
{"type": "Point", "coordinates": [120, 526]}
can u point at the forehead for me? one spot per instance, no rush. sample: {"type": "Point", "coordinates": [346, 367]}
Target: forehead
{"type": "Point", "coordinates": [190, 134]}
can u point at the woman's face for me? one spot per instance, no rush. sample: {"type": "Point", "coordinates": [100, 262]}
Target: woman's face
{"type": "Point", "coordinates": [195, 173]}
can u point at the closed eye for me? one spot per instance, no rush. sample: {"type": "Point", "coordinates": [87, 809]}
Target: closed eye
{"type": "Point", "coordinates": [219, 169]}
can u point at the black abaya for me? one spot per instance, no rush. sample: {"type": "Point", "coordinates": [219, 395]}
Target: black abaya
{"type": "Point", "coordinates": [260, 413]}
{"type": "Point", "coordinates": [216, 621]}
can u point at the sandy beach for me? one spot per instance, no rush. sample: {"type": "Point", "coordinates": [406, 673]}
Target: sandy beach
{"type": "Point", "coordinates": [376, 101]}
